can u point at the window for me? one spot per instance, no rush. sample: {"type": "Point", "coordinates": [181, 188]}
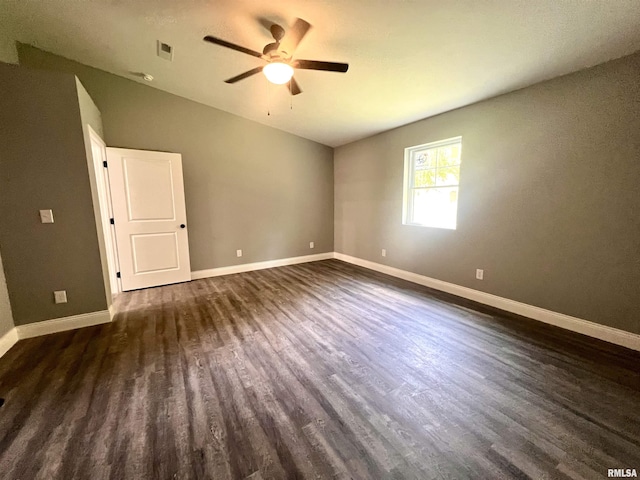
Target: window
{"type": "Point", "coordinates": [432, 176]}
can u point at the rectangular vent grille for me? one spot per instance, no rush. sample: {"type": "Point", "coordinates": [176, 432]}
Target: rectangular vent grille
{"type": "Point", "coordinates": [165, 51]}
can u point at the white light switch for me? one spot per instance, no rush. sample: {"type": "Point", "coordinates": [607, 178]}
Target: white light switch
{"type": "Point", "coordinates": [312, 245]}
{"type": "Point", "coordinates": [238, 253]}
{"type": "Point", "coordinates": [384, 252]}
{"type": "Point", "coordinates": [479, 274]}
{"type": "Point", "coordinates": [60, 296]}
{"type": "Point", "coordinates": [46, 216]}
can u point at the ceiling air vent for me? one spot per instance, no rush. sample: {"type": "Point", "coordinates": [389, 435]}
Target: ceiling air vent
{"type": "Point", "coordinates": [165, 51]}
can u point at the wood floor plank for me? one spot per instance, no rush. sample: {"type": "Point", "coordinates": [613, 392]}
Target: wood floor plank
{"type": "Point", "coordinates": [318, 370]}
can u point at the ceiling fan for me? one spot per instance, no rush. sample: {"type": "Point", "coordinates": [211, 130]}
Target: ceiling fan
{"type": "Point", "coordinates": [279, 57]}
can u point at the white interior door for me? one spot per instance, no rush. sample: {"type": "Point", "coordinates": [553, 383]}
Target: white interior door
{"type": "Point", "coordinates": [147, 194]}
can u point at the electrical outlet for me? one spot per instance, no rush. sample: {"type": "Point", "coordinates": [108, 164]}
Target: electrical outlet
{"type": "Point", "coordinates": [60, 296]}
{"type": "Point", "coordinates": [238, 253]}
{"type": "Point", "coordinates": [479, 274]}
{"type": "Point", "coordinates": [46, 216]}
{"type": "Point", "coordinates": [384, 252]}
{"type": "Point", "coordinates": [312, 245]}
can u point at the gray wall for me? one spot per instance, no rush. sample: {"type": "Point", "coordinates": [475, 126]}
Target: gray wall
{"type": "Point", "coordinates": [8, 54]}
{"type": "Point", "coordinates": [247, 186]}
{"type": "Point", "coordinates": [43, 164]}
{"type": "Point", "coordinates": [549, 201]}
{"type": "Point", "coordinates": [6, 317]}
{"type": "Point", "coordinates": [8, 50]}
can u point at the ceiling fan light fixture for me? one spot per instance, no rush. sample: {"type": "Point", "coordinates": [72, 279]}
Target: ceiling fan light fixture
{"type": "Point", "coordinates": [278, 72]}
{"type": "Point", "coordinates": [279, 57]}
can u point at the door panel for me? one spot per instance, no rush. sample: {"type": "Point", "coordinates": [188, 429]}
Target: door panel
{"type": "Point", "coordinates": [155, 252]}
{"type": "Point", "coordinates": [143, 202]}
{"type": "Point", "coordinates": [149, 212]}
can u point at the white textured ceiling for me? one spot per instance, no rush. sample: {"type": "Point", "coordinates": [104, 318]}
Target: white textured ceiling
{"type": "Point", "coordinates": [408, 59]}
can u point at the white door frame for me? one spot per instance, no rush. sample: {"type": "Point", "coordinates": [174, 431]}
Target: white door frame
{"type": "Point", "coordinates": [106, 211]}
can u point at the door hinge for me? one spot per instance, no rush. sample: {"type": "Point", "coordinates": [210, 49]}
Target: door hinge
{"type": "Point", "coordinates": [112, 221]}
{"type": "Point", "coordinates": [104, 164]}
{"type": "Point", "coordinates": [118, 274]}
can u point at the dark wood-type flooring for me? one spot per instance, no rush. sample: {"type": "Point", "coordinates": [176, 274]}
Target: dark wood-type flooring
{"type": "Point", "coordinates": [319, 370]}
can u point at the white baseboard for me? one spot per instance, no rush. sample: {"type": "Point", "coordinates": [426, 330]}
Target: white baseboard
{"type": "Point", "coordinates": [62, 324]}
{"type": "Point", "coordinates": [585, 327]}
{"type": "Point", "coordinates": [248, 267]}
{"type": "Point", "coordinates": [8, 340]}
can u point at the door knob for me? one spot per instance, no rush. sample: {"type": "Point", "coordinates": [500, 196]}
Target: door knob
{"type": "Point", "coordinates": [182, 225]}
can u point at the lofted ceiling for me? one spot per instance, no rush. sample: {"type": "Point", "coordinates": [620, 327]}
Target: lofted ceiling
{"type": "Point", "coordinates": [409, 59]}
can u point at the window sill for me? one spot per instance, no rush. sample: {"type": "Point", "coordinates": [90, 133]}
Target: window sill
{"type": "Point", "coordinates": [428, 226]}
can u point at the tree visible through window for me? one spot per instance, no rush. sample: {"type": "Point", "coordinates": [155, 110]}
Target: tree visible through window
{"type": "Point", "coordinates": [432, 177]}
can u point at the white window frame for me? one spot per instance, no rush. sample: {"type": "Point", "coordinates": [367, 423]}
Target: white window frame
{"type": "Point", "coordinates": [407, 204]}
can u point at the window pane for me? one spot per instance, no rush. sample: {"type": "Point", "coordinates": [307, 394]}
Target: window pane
{"type": "Point", "coordinates": [425, 159]}
{"type": "Point", "coordinates": [448, 176]}
{"type": "Point", "coordinates": [449, 155]}
{"type": "Point", "coordinates": [424, 178]}
{"type": "Point", "coordinates": [435, 207]}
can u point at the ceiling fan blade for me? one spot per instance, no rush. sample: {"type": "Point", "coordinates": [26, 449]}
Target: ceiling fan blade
{"type": "Point", "coordinates": [317, 65]}
{"type": "Point", "coordinates": [294, 88]}
{"type": "Point", "coordinates": [294, 36]}
{"type": "Point", "coordinates": [244, 75]}
{"type": "Point", "coordinates": [233, 46]}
